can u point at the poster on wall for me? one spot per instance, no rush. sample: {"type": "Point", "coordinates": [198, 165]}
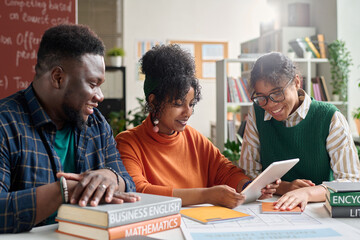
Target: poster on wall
{"type": "Point", "coordinates": [212, 51]}
{"type": "Point", "coordinates": [22, 24]}
{"type": "Point", "coordinates": [205, 54]}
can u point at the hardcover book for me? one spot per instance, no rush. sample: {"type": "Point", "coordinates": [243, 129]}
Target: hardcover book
{"type": "Point", "coordinates": [343, 198]}
{"type": "Point", "coordinates": [299, 46]}
{"type": "Point", "coordinates": [213, 214]}
{"type": "Point", "coordinates": [110, 215]}
{"type": "Point", "coordinates": [322, 45]}
{"type": "Point", "coordinates": [268, 207]}
{"type": "Point", "coordinates": [323, 84]}
{"type": "Point", "coordinates": [312, 47]}
{"type": "Point", "coordinates": [140, 228]}
{"type": "Point", "coordinates": [342, 212]}
{"type": "Point", "coordinates": [343, 186]}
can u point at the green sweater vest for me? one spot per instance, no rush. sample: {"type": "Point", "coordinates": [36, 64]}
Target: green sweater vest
{"type": "Point", "coordinates": [306, 141]}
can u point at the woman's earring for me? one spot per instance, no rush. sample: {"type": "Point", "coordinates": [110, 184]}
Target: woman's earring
{"type": "Point", "coordinates": [156, 128]}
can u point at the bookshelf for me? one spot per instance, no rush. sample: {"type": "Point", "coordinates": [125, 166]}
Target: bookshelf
{"type": "Point", "coordinates": [224, 69]}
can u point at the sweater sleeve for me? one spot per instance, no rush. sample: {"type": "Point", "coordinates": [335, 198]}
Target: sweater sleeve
{"type": "Point", "coordinates": [131, 157]}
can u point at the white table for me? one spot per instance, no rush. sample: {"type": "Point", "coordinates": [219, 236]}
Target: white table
{"type": "Point", "coordinates": [48, 232]}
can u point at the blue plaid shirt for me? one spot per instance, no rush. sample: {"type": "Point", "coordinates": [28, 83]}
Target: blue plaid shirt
{"type": "Point", "coordinates": [28, 159]}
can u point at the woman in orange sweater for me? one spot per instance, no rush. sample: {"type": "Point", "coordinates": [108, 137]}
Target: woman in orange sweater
{"type": "Point", "coordinates": [165, 156]}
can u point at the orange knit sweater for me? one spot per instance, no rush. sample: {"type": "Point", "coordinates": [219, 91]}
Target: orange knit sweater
{"type": "Point", "coordinates": [159, 163]}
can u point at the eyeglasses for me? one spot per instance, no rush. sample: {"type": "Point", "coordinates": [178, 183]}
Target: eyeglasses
{"type": "Point", "coordinates": [277, 96]}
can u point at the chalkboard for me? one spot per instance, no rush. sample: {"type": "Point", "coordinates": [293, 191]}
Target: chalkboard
{"type": "Point", "coordinates": [22, 23]}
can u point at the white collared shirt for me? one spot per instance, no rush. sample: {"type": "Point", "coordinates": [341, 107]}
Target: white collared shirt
{"type": "Point", "coordinates": [339, 143]}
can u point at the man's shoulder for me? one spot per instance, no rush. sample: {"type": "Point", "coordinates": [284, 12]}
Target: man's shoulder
{"type": "Point", "coordinates": [97, 116]}
{"type": "Point", "coordinates": [14, 103]}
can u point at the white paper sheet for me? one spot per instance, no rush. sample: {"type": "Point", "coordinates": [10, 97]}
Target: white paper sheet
{"type": "Point", "coordinates": [314, 223]}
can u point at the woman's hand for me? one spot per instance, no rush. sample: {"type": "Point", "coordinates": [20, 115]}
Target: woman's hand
{"type": "Point", "coordinates": [270, 189]}
{"type": "Point", "coordinates": [297, 197]}
{"type": "Point", "coordinates": [223, 195]}
{"type": "Point", "coordinates": [296, 184]}
{"type": "Point", "coordinates": [300, 197]}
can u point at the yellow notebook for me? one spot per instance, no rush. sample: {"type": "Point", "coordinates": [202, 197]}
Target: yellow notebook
{"type": "Point", "coordinates": [213, 214]}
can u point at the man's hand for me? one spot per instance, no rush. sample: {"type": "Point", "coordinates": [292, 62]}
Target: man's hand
{"type": "Point", "coordinates": [121, 197]}
{"type": "Point", "coordinates": [93, 186]}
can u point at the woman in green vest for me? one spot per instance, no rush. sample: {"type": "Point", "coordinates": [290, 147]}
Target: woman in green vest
{"type": "Point", "coordinates": [284, 123]}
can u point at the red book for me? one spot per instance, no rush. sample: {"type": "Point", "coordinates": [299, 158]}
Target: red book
{"type": "Point", "coordinates": [140, 228]}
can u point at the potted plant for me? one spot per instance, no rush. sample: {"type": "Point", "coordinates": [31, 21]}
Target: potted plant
{"type": "Point", "coordinates": [307, 53]}
{"type": "Point", "coordinates": [340, 61]}
{"type": "Point", "coordinates": [232, 150]}
{"type": "Point", "coordinates": [291, 53]}
{"type": "Point", "coordinates": [115, 56]}
{"type": "Point", "coordinates": [119, 122]}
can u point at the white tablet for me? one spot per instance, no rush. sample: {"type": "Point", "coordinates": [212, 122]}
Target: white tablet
{"type": "Point", "coordinates": [273, 172]}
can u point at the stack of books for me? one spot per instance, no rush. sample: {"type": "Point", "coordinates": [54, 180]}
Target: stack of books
{"type": "Point", "coordinates": [343, 199]}
{"type": "Point", "coordinates": [315, 44]}
{"type": "Point", "coordinates": [237, 90]}
{"type": "Point", "coordinates": [319, 89]}
{"type": "Point", "coordinates": [152, 214]}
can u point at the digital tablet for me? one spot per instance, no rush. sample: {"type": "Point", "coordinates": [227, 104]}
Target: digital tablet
{"type": "Point", "coordinates": [273, 172]}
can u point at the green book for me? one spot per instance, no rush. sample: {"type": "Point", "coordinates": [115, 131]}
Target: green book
{"type": "Point", "coordinates": [111, 215]}
{"type": "Point", "coordinates": [343, 198]}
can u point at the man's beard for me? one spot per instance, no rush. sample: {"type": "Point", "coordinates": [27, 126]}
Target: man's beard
{"type": "Point", "coordinates": [73, 116]}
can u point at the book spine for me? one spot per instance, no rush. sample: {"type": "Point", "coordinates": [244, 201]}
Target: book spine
{"type": "Point", "coordinates": [345, 212]}
{"type": "Point", "coordinates": [322, 89]}
{"type": "Point", "coordinates": [242, 91]}
{"type": "Point", "coordinates": [142, 213]}
{"type": "Point", "coordinates": [316, 91]}
{"type": "Point", "coordinates": [322, 47]}
{"type": "Point", "coordinates": [139, 228]}
{"type": "Point", "coordinates": [302, 44]}
{"type": "Point", "coordinates": [344, 199]}
{"type": "Point", "coordinates": [245, 88]}
{"type": "Point", "coordinates": [237, 90]}
{"type": "Point", "coordinates": [322, 79]}
{"type": "Point", "coordinates": [146, 227]}
{"type": "Point", "coordinates": [228, 92]}
{"type": "Point", "coordinates": [312, 47]}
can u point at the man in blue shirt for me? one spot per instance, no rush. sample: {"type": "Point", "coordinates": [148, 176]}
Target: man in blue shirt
{"type": "Point", "coordinates": [52, 130]}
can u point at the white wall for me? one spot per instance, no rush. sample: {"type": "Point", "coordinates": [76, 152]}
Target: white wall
{"type": "Point", "coordinates": [348, 25]}
{"type": "Point", "coordinates": [233, 21]}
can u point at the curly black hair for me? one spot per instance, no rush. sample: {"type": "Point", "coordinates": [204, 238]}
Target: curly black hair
{"type": "Point", "coordinates": [68, 41]}
{"type": "Point", "coordinates": [274, 68]}
{"type": "Point", "coordinates": [174, 71]}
